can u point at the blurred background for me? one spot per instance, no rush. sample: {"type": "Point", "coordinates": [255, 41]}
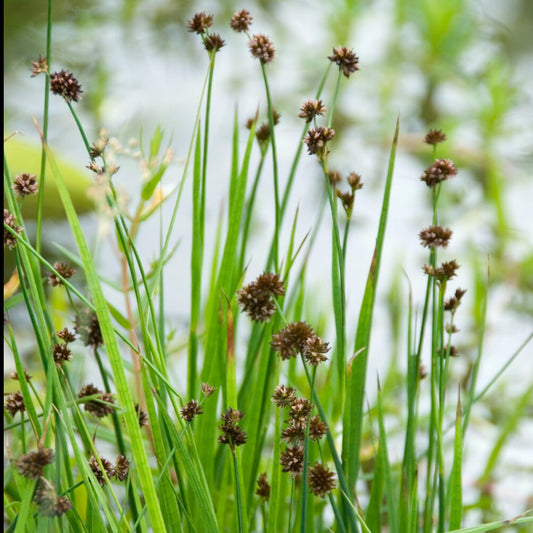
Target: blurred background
{"type": "Point", "coordinates": [463, 66]}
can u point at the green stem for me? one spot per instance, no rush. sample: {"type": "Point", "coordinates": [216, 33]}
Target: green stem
{"type": "Point", "coordinates": [238, 491]}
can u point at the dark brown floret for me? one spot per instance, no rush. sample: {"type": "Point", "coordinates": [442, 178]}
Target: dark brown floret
{"type": "Point", "coordinates": [310, 109]}
{"type": "Point", "coordinates": [444, 272]}
{"type": "Point", "coordinates": [449, 350]}
{"type": "Point", "coordinates": [299, 410]}
{"type": "Point", "coordinates": [141, 415]}
{"type": "Point", "coordinates": [434, 137]}
{"type": "Point", "coordinates": [64, 270]}
{"type": "Point", "coordinates": [346, 60]}
{"type": "Point", "coordinates": [97, 470]}
{"type": "Point", "coordinates": [263, 488]}
{"type": "Point", "coordinates": [49, 503]}
{"type": "Point", "coordinates": [241, 21]}
{"type": "Point", "coordinates": [347, 199]}
{"type": "Point", "coordinates": [316, 140]}
{"type": "Point", "coordinates": [31, 464]}
{"type": "Point", "coordinates": [122, 468]}
{"type": "Point", "coordinates": [334, 177]}
{"type": "Point", "coordinates": [453, 303]}
{"type": "Point", "coordinates": [200, 22]}
{"type": "Point", "coordinates": [192, 409]}
{"type": "Point", "coordinates": [97, 148]}
{"type": "Point", "coordinates": [66, 335]}
{"type": "Point", "coordinates": [87, 327]}
{"type": "Point", "coordinates": [61, 353]}
{"type": "Point", "coordinates": [262, 133]}
{"type": "Point", "coordinates": [317, 428]}
{"type": "Point", "coordinates": [294, 432]}
{"type": "Point", "coordinates": [255, 298]}
{"type": "Point", "coordinates": [10, 240]}
{"type": "Point", "coordinates": [25, 184]}
{"type": "Point", "coordinates": [15, 403]}
{"type": "Point", "coordinates": [354, 181]}
{"type": "Point", "coordinates": [214, 42]}
{"type": "Point", "coordinates": [292, 339]}
{"type": "Point", "coordinates": [451, 328]}
{"type": "Point", "coordinates": [435, 236]}
{"type": "Point", "coordinates": [96, 406]}
{"type": "Point", "coordinates": [321, 480]}
{"type": "Point", "coordinates": [232, 434]}
{"type": "Point", "coordinates": [39, 66]}
{"type": "Point", "coordinates": [64, 84]}
{"type": "Point", "coordinates": [292, 460]}
{"type": "Point", "coordinates": [207, 389]}
{"type": "Point", "coordinates": [261, 47]}
{"type": "Point", "coordinates": [440, 170]}
{"type": "Point", "coordinates": [283, 396]}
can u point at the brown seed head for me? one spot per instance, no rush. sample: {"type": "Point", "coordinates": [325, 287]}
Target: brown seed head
{"type": "Point", "coordinates": [39, 66]}
{"type": "Point", "coordinates": [64, 84]}
{"type": "Point", "coordinates": [241, 21]}
{"type": "Point", "coordinates": [345, 59]}
{"type": "Point", "coordinates": [261, 47]}
{"type": "Point", "coordinates": [61, 354]}
{"type": "Point", "coordinates": [299, 410]}
{"type": "Point", "coordinates": [317, 428]}
{"type": "Point", "coordinates": [25, 184]}
{"type": "Point", "coordinates": [321, 480]}
{"type": "Point", "coordinates": [232, 434]}
{"type": "Point", "coordinates": [121, 468]}
{"type": "Point", "coordinates": [63, 270]}
{"type": "Point", "coordinates": [292, 339]}
{"type": "Point", "coordinates": [66, 335]}
{"type": "Point", "coordinates": [97, 470]}
{"type": "Point", "coordinates": [435, 236]}
{"type": "Point", "coordinates": [310, 109]}
{"type": "Point", "coordinates": [192, 409]}
{"type": "Point", "coordinates": [49, 503]}
{"type": "Point", "coordinates": [434, 137]}
{"type": "Point", "coordinates": [294, 433]}
{"type": "Point", "coordinates": [449, 350]}
{"type": "Point", "coordinates": [453, 303]}
{"type": "Point", "coordinates": [141, 415]}
{"type": "Point", "coordinates": [207, 389]}
{"type": "Point", "coordinates": [314, 350]}
{"type": "Point", "coordinates": [316, 140]}
{"type": "Point", "coordinates": [31, 464]}
{"type": "Point", "coordinates": [444, 272]}
{"type": "Point", "coordinates": [347, 199]}
{"type": "Point", "coordinates": [96, 407]}
{"type": "Point", "coordinates": [354, 181]}
{"type": "Point", "coordinates": [214, 42]}
{"type": "Point", "coordinates": [255, 298]}
{"type": "Point", "coordinates": [14, 375]}
{"type": "Point", "coordinates": [262, 133]}
{"type": "Point", "coordinates": [200, 22]}
{"type": "Point", "coordinates": [292, 460]}
{"type": "Point", "coordinates": [15, 403]}
{"type": "Point", "coordinates": [283, 396]}
{"type": "Point", "coordinates": [440, 170]}
{"type": "Point", "coordinates": [263, 488]}
{"type": "Point", "coordinates": [334, 177]}
{"type": "Point", "coordinates": [9, 220]}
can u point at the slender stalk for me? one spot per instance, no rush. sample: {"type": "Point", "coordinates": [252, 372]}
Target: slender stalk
{"type": "Point", "coordinates": [237, 490]}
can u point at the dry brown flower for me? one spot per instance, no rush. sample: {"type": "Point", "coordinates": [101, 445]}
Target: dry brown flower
{"type": "Point", "coordinates": [262, 48]}
{"type": "Point", "coordinates": [25, 184]}
{"type": "Point", "coordinates": [10, 240]}
{"type": "Point", "coordinates": [292, 460]}
{"type": "Point", "coordinates": [263, 488]}
{"type": "Point", "coordinates": [345, 59]}
{"type": "Point", "coordinates": [241, 21]}
{"type": "Point", "coordinates": [434, 137]}
{"type": "Point", "coordinates": [15, 403]}
{"type": "Point", "coordinates": [440, 170]}
{"type": "Point", "coordinates": [192, 409]}
{"type": "Point", "coordinates": [39, 66]}
{"type": "Point", "coordinates": [292, 339]}
{"type": "Point", "coordinates": [31, 464]}
{"type": "Point", "coordinates": [316, 140]}
{"type": "Point", "coordinates": [283, 396]}
{"type": "Point", "coordinates": [97, 470]}
{"type": "Point", "coordinates": [96, 406]}
{"type": "Point", "coordinates": [214, 42]}
{"type": "Point", "coordinates": [310, 109]}
{"type": "Point", "coordinates": [321, 480]}
{"type": "Point", "coordinates": [435, 236]}
{"type": "Point", "coordinates": [64, 84]}
{"type": "Point", "coordinates": [121, 468]}
{"type": "Point", "coordinates": [200, 22]}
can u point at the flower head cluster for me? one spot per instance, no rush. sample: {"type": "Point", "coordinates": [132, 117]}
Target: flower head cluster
{"type": "Point", "coordinates": [310, 109]}
{"type": "Point", "coordinates": [50, 504]}
{"type": "Point", "coordinates": [435, 236]}
{"type": "Point", "coordinates": [207, 389]}
{"type": "Point", "coordinates": [454, 301]}
{"type": "Point", "coordinates": [263, 488]}
{"type": "Point", "coordinates": [141, 415]}
{"type": "Point", "coordinates": [118, 471]}
{"type": "Point", "coordinates": [192, 409]}
{"type": "Point", "coordinates": [255, 298]}
{"type": "Point", "coordinates": [39, 66]}
{"type": "Point", "coordinates": [14, 375]}
{"type": "Point", "coordinates": [64, 84]}
{"type": "Point", "coordinates": [440, 170]}
{"type": "Point", "coordinates": [434, 137]}
{"type": "Point", "coordinates": [87, 327]}
{"type": "Point", "coordinates": [292, 339]}
{"type": "Point", "coordinates": [25, 184]}
{"type": "Point", "coordinates": [64, 270]}
{"type": "Point", "coordinates": [15, 403]}
{"type": "Point", "coordinates": [200, 22]}
{"type": "Point", "coordinates": [213, 42]}
{"type": "Point", "coordinates": [99, 407]}
{"type": "Point", "coordinates": [10, 240]}
{"type": "Point", "coordinates": [241, 21]}
{"type": "Point", "coordinates": [292, 460]}
{"type": "Point", "coordinates": [262, 48]}
{"type": "Point", "coordinates": [321, 480]}
{"type": "Point", "coordinates": [316, 140]}
{"type": "Point", "coordinates": [232, 434]}
{"type": "Point", "coordinates": [61, 353]}
{"type": "Point", "coordinates": [66, 335]}
{"type": "Point", "coordinates": [314, 350]}
{"type": "Point", "coordinates": [283, 396]}
{"type": "Point", "coordinates": [345, 59]}
{"type": "Point", "coordinates": [31, 464]}
{"type": "Point", "coordinates": [444, 272]}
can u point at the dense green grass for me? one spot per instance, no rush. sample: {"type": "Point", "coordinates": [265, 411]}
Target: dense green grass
{"type": "Point", "coordinates": [198, 472]}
